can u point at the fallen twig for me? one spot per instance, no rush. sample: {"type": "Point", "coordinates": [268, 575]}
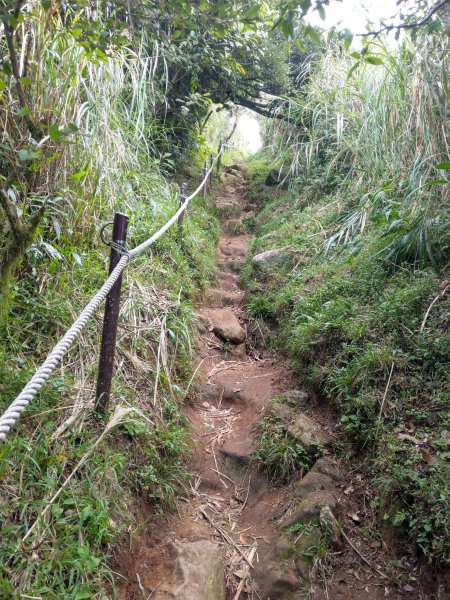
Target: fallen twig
{"type": "Point", "coordinates": [245, 577]}
{"type": "Point", "coordinates": [226, 537]}
{"type": "Point", "coordinates": [361, 556]}
{"type": "Point", "coordinates": [431, 306]}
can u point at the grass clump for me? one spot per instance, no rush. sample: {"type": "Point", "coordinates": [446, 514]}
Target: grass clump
{"type": "Point", "coordinates": [279, 453]}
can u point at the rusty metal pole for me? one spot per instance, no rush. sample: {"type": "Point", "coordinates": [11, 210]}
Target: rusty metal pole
{"type": "Point", "coordinates": [211, 163]}
{"type": "Point", "coordinates": [109, 334]}
{"type": "Point", "coordinates": [205, 185]}
{"type": "Point", "coordinates": [181, 199]}
{"type": "Point", "coordinates": [219, 156]}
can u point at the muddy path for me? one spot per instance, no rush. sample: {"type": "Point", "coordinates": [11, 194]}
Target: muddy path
{"type": "Point", "coordinates": [236, 535]}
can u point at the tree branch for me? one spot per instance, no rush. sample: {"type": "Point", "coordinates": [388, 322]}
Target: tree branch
{"type": "Point", "coordinates": [205, 121]}
{"type": "Point", "coordinates": [9, 34]}
{"type": "Point", "coordinates": [432, 12]}
{"type": "Point", "coordinates": [258, 108]}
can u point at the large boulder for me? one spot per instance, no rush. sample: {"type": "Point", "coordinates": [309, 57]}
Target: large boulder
{"type": "Point", "coordinates": [312, 482]}
{"type": "Point", "coordinates": [237, 453]}
{"type": "Point", "coordinates": [297, 397]}
{"type": "Point", "coordinates": [224, 323]}
{"type": "Point", "coordinates": [197, 572]}
{"type": "Point", "coordinates": [236, 167]}
{"type": "Point", "coordinates": [285, 570]}
{"type": "Point", "coordinates": [272, 258]}
{"type": "Point", "coordinates": [328, 467]}
{"type": "Point", "coordinates": [308, 511]}
{"type": "Point", "coordinates": [302, 427]}
{"type": "Point", "coordinates": [309, 432]}
{"type": "Point", "coordinates": [279, 575]}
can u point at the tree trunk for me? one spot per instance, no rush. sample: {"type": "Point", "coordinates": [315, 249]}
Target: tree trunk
{"type": "Point", "coordinates": [12, 252]}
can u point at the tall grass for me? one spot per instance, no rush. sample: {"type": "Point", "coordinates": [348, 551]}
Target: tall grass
{"type": "Point", "coordinates": [367, 220]}
{"type": "Point", "coordinates": [376, 135]}
{"type": "Point", "coordinates": [110, 161]}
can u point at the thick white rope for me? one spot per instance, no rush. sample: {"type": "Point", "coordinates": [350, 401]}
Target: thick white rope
{"type": "Point", "coordinates": [16, 408]}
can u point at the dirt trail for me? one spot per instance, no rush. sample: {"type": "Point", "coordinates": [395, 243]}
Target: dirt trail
{"type": "Point", "coordinates": [232, 520]}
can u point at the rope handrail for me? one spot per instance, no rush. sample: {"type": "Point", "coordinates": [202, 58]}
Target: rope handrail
{"type": "Point", "coordinates": [11, 415]}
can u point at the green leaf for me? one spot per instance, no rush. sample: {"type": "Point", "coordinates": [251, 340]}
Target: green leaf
{"type": "Point", "coordinates": [6, 68]}
{"type": "Point", "coordinates": [12, 20]}
{"type": "Point", "coordinates": [2, 86]}
{"type": "Point", "coordinates": [85, 513]}
{"type": "Point", "coordinates": [321, 12]}
{"type": "Point", "coordinates": [300, 46]}
{"type": "Point", "coordinates": [79, 175]}
{"type": "Point", "coordinates": [24, 112]}
{"type": "Point", "coordinates": [57, 511]}
{"type": "Point", "coordinates": [70, 128]}
{"type": "Point", "coordinates": [373, 60]}
{"type": "Point", "coordinates": [252, 11]}
{"type": "Point", "coordinates": [287, 24]}
{"type": "Point", "coordinates": [25, 155]}
{"type": "Point", "coordinates": [435, 182]}
{"type": "Point", "coordinates": [92, 562]}
{"type": "Point", "coordinates": [82, 594]}
{"type": "Point", "coordinates": [347, 36]}
{"type": "Point", "coordinates": [353, 69]}
{"type": "Point", "coordinates": [54, 132]}
{"type": "Point", "coordinates": [100, 54]}
{"type": "Point", "coordinates": [313, 34]}
{"type": "Point", "coordinates": [25, 81]}
{"type": "Point", "coordinates": [443, 165]}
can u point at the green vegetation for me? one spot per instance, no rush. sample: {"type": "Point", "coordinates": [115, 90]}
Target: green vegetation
{"type": "Point", "coordinates": [145, 440]}
{"type": "Point", "coordinates": [103, 106]}
{"type": "Point", "coordinates": [362, 304]}
{"type": "Point", "coordinates": [71, 484]}
{"type": "Point", "coordinates": [278, 453]}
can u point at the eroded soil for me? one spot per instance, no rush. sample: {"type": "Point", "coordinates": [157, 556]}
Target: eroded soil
{"type": "Point", "coordinates": [231, 511]}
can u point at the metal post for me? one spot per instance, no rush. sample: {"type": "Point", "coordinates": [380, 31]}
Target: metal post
{"type": "Point", "coordinates": [205, 185]}
{"type": "Point", "coordinates": [219, 156]}
{"type": "Point", "coordinates": [211, 163]}
{"type": "Point", "coordinates": [109, 334]}
{"type": "Point", "coordinates": [181, 199]}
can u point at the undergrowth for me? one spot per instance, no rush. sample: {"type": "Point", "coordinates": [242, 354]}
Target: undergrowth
{"type": "Point", "coordinates": [347, 323]}
{"type": "Point", "coordinates": [141, 447]}
{"type": "Point", "coordinates": [72, 484]}
{"type": "Point", "coordinates": [361, 305]}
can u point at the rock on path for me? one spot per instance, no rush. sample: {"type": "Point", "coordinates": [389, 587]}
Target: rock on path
{"type": "Point", "coordinates": [224, 324]}
{"type": "Point", "coordinates": [197, 571]}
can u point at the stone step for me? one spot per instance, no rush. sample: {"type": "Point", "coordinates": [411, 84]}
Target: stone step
{"type": "Point", "coordinates": [238, 450]}
{"type": "Point", "coordinates": [233, 266]}
{"type": "Point", "coordinates": [237, 454]}
{"type": "Point", "coordinates": [224, 323]}
{"type": "Point", "coordinates": [196, 570]}
{"type": "Point", "coordinates": [218, 298]}
{"type": "Point", "coordinates": [229, 282]}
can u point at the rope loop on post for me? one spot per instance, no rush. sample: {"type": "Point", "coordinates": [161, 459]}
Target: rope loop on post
{"type": "Point", "coordinates": [118, 247]}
